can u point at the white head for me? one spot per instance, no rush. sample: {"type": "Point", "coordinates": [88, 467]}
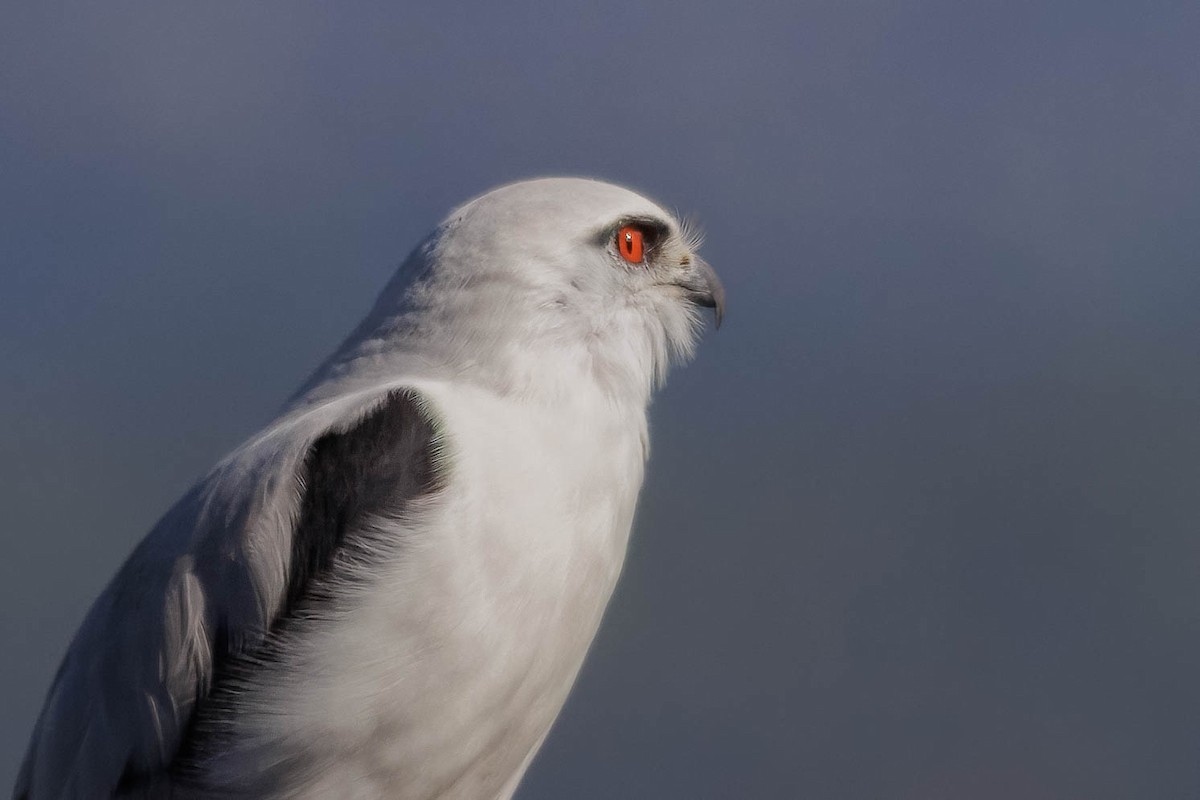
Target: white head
{"type": "Point", "coordinates": [537, 285]}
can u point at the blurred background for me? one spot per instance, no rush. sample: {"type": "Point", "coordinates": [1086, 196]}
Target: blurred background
{"type": "Point", "coordinates": [922, 519]}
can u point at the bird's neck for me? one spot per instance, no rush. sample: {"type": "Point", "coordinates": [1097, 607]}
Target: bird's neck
{"type": "Point", "coordinates": [550, 369]}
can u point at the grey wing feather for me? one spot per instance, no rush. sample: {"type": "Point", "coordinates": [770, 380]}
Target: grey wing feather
{"type": "Point", "coordinates": [221, 569]}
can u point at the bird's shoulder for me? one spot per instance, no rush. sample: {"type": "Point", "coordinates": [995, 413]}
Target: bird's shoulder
{"type": "Point", "coordinates": [253, 544]}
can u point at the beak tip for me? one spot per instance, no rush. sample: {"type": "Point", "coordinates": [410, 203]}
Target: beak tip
{"type": "Point", "coordinates": [714, 291]}
{"type": "Point", "coordinates": [702, 287]}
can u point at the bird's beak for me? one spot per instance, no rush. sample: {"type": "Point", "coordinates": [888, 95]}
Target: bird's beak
{"type": "Point", "coordinates": [702, 286]}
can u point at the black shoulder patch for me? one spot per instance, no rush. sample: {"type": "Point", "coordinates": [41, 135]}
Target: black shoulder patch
{"type": "Point", "coordinates": [373, 467]}
{"type": "Point", "coordinates": [377, 465]}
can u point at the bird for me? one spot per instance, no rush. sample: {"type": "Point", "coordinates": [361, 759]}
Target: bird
{"type": "Point", "coordinates": [390, 589]}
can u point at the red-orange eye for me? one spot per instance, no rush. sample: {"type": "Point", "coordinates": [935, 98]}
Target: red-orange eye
{"type": "Point", "coordinates": [629, 244]}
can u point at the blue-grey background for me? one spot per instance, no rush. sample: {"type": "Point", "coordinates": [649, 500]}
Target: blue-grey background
{"type": "Point", "coordinates": [921, 521]}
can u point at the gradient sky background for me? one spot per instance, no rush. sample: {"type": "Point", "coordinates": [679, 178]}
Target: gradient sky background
{"type": "Point", "coordinates": [921, 521]}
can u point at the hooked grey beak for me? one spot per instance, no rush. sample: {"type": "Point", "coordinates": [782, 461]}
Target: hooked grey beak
{"type": "Point", "coordinates": [702, 286]}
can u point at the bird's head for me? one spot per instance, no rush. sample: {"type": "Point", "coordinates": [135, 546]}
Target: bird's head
{"type": "Point", "coordinates": [537, 284]}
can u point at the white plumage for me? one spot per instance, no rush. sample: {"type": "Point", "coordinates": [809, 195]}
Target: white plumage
{"type": "Point", "coordinates": [390, 590]}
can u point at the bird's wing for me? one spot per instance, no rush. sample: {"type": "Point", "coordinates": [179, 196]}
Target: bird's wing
{"type": "Point", "coordinates": [226, 566]}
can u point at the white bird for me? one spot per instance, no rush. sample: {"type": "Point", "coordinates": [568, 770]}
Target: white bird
{"type": "Point", "coordinates": [389, 591]}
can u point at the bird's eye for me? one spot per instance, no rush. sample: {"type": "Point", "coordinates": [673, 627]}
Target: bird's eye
{"type": "Point", "coordinates": [630, 244]}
